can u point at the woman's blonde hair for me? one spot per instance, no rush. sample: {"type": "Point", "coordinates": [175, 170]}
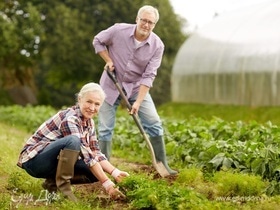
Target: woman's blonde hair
{"type": "Point", "coordinates": [91, 87]}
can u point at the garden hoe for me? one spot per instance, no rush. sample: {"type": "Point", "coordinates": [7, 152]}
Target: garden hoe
{"type": "Point", "coordinates": [160, 168]}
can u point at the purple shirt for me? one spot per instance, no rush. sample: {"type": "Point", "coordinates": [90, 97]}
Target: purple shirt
{"type": "Point", "coordinates": [66, 122]}
{"type": "Point", "coordinates": [135, 65]}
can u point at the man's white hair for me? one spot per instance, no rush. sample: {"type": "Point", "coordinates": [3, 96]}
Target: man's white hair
{"type": "Point", "coordinates": [148, 8]}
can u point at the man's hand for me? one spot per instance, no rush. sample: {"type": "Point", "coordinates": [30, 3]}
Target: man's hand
{"type": "Point", "coordinates": [134, 108]}
{"type": "Point", "coordinates": [109, 65]}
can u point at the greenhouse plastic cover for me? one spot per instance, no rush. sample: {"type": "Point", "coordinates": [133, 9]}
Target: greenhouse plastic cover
{"type": "Point", "coordinates": [232, 60]}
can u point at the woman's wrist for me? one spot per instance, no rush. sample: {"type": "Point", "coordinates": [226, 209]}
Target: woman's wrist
{"type": "Point", "coordinates": [108, 184]}
{"type": "Point", "coordinates": [115, 173]}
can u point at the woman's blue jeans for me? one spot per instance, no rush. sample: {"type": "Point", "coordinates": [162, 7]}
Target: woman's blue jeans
{"type": "Point", "coordinates": [147, 113]}
{"type": "Point", "coordinates": [44, 164]}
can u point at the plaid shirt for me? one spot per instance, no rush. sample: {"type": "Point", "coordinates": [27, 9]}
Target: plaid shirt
{"type": "Point", "coordinates": [66, 122]}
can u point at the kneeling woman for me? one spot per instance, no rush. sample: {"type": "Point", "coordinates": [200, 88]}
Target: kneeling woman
{"type": "Point", "coordinates": [65, 147]}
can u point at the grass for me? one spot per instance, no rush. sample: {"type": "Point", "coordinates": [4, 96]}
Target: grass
{"type": "Point", "coordinates": [12, 139]}
{"type": "Point", "coordinates": [225, 112]}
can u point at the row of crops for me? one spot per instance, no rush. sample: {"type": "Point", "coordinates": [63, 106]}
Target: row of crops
{"type": "Point", "coordinates": [214, 145]}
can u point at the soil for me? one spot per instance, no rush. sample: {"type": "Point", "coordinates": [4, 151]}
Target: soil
{"type": "Point", "coordinates": [105, 200]}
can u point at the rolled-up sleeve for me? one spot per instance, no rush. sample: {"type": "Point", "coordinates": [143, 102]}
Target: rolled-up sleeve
{"type": "Point", "coordinates": [89, 157]}
{"type": "Point", "coordinates": [102, 40]}
{"type": "Point", "coordinates": [90, 150]}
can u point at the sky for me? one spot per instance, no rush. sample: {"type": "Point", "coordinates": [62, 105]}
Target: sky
{"type": "Point", "coordinates": [200, 12]}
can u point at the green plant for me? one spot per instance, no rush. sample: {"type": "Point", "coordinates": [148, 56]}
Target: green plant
{"type": "Point", "coordinates": [143, 192]}
{"type": "Point", "coordinates": [231, 184]}
{"type": "Point", "coordinates": [28, 117]}
{"type": "Point", "coordinates": [190, 177]}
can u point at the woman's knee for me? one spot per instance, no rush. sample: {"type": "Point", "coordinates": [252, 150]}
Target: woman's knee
{"type": "Point", "coordinates": [73, 143]}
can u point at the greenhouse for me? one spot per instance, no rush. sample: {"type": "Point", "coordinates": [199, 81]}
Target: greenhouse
{"type": "Point", "coordinates": [235, 59]}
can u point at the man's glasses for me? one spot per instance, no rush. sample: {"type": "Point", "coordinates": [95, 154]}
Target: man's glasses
{"type": "Point", "coordinates": [144, 21]}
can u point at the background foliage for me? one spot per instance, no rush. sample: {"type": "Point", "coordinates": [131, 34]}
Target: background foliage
{"type": "Point", "coordinates": [21, 29]}
{"type": "Point", "coordinates": [48, 44]}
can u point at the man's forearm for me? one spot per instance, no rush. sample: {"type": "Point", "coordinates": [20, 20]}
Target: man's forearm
{"type": "Point", "coordinates": [105, 56]}
{"type": "Point", "coordinates": [142, 93]}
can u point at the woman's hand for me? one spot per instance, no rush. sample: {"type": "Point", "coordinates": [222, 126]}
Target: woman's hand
{"type": "Point", "coordinates": [119, 175]}
{"type": "Point", "coordinates": [115, 194]}
{"type": "Point", "coordinates": [112, 190]}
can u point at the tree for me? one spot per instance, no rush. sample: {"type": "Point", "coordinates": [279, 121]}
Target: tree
{"type": "Point", "coordinates": [20, 38]}
{"type": "Point", "coordinates": [67, 58]}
